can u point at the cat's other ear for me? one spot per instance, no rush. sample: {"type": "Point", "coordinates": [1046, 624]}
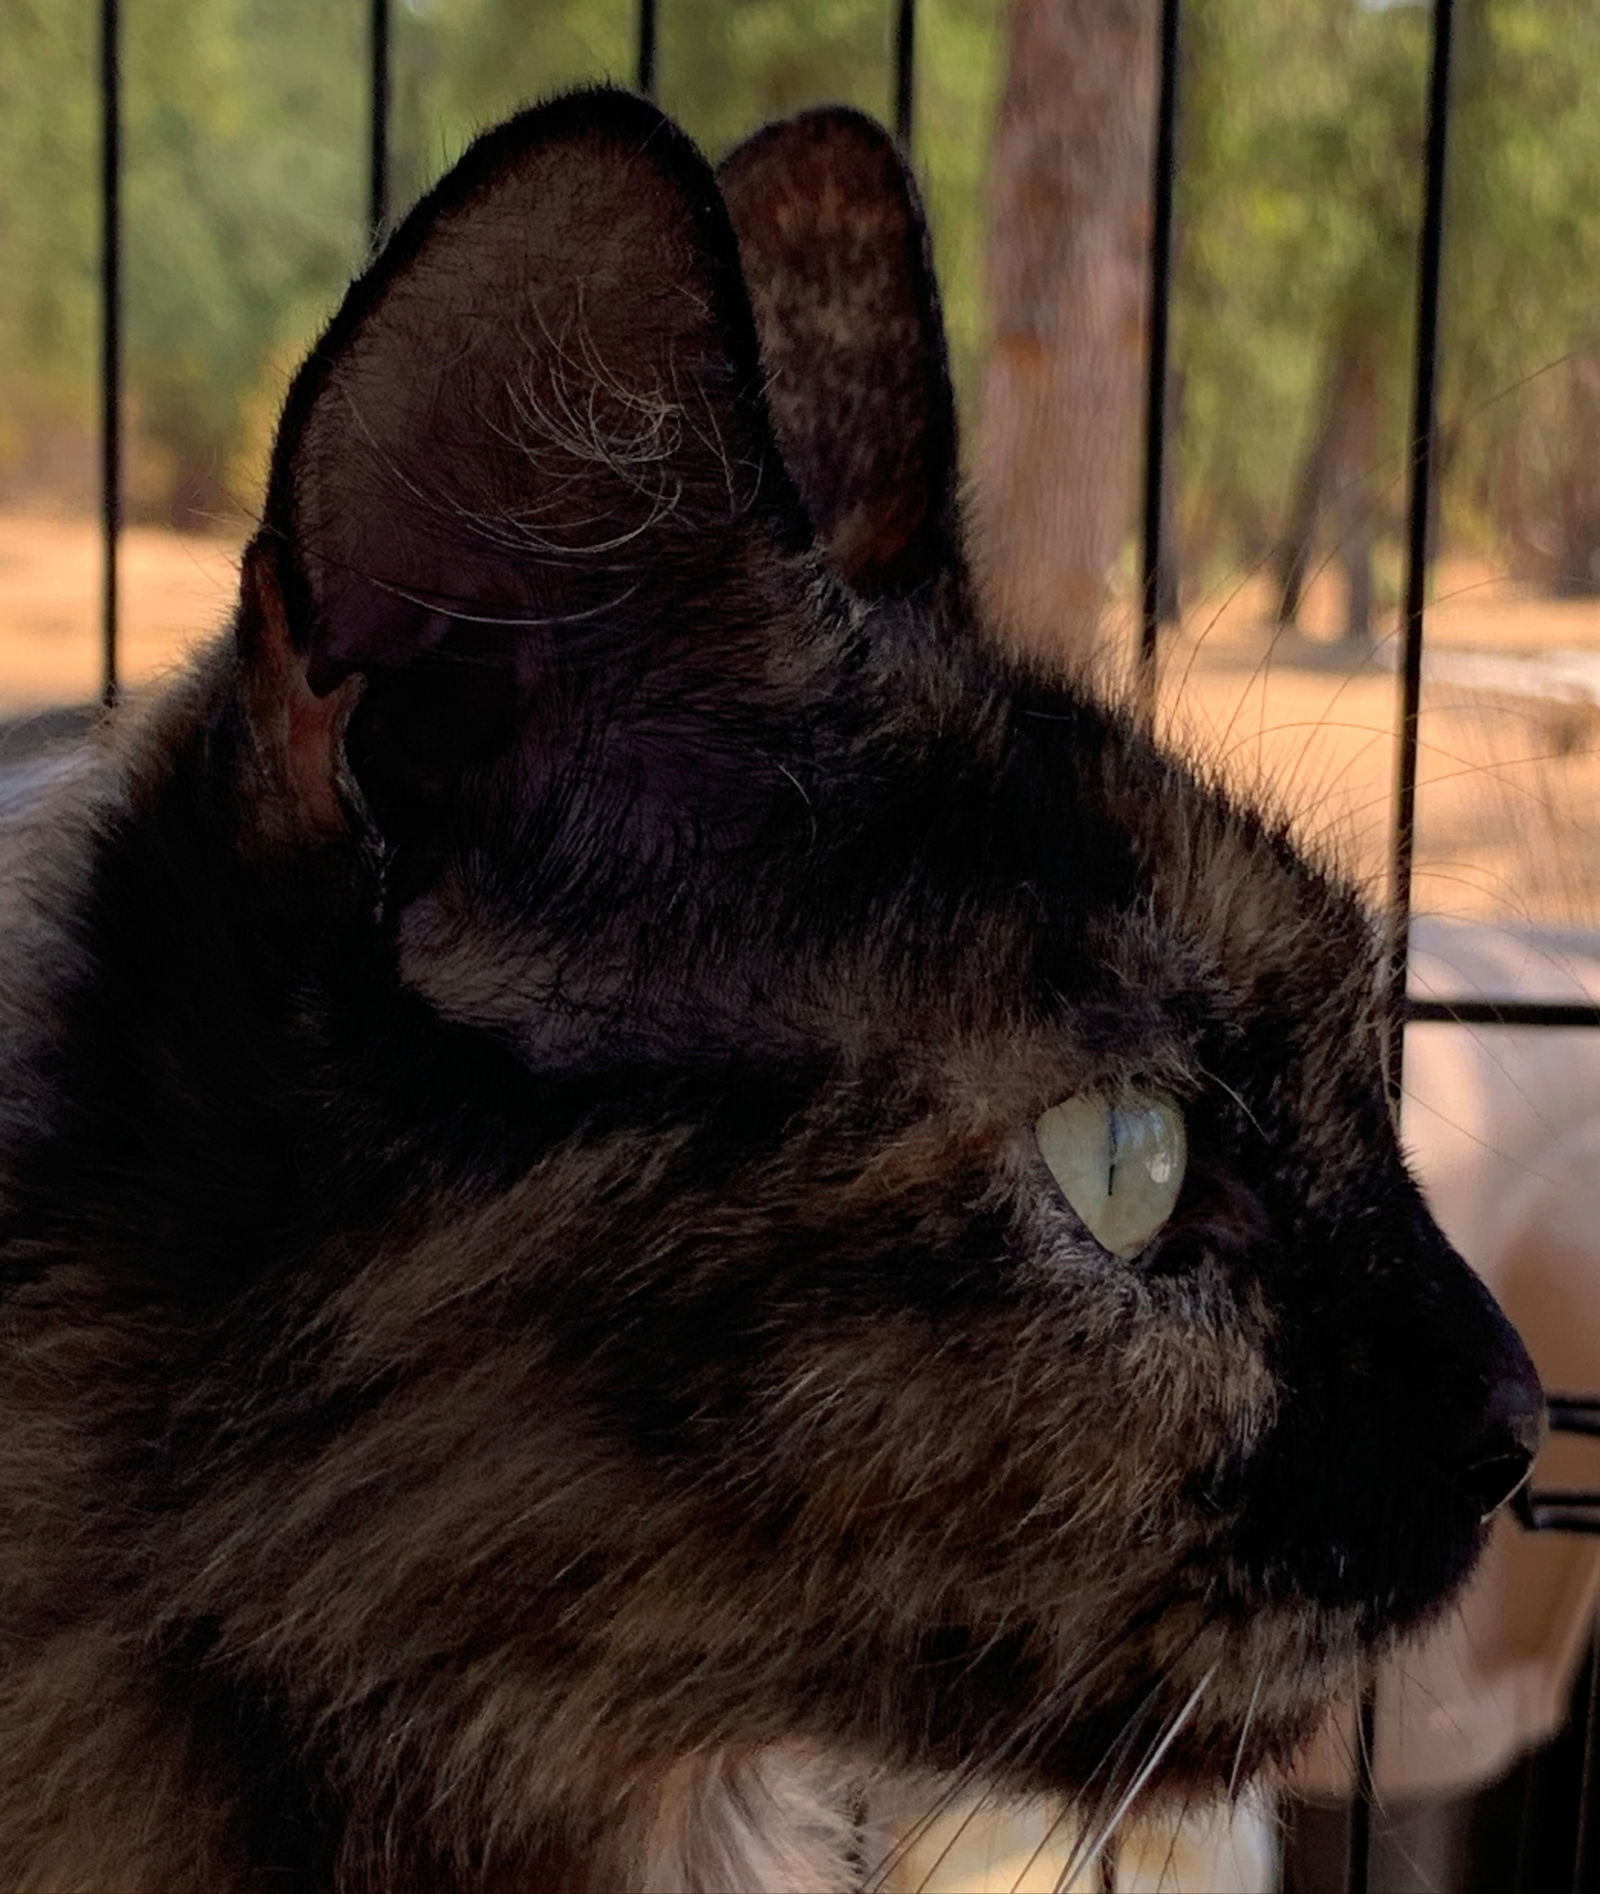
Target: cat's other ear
{"type": "Point", "coordinates": [837, 258]}
{"type": "Point", "coordinates": [537, 423]}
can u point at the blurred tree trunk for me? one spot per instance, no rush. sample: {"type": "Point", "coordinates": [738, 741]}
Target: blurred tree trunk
{"type": "Point", "coordinates": [1335, 479]}
{"type": "Point", "coordinates": [1358, 446]}
{"type": "Point", "coordinates": [1545, 493]}
{"type": "Point", "coordinates": [1292, 562]}
{"type": "Point", "coordinates": [1069, 221]}
{"type": "Point", "coordinates": [1577, 563]}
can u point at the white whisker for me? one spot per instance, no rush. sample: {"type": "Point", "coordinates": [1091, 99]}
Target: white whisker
{"type": "Point", "coordinates": [1091, 1849]}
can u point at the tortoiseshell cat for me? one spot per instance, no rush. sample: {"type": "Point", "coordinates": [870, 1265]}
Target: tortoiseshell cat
{"type": "Point", "coordinates": [643, 1188]}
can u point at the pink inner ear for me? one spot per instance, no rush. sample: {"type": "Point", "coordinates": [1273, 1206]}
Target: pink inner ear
{"type": "Point", "coordinates": [299, 729]}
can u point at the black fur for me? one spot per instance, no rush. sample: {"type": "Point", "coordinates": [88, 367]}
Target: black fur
{"type": "Point", "coordinates": [534, 1318]}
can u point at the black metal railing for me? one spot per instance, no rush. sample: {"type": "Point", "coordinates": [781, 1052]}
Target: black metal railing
{"type": "Point", "coordinates": [1163, 191]}
{"type": "Point", "coordinates": [110, 338]}
{"type": "Point", "coordinates": [1561, 1510]}
{"type": "Point", "coordinates": [378, 94]}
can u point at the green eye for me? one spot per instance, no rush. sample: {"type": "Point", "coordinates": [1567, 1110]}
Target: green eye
{"type": "Point", "coordinates": [1118, 1163]}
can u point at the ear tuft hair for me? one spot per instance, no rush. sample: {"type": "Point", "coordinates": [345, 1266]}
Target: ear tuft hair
{"type": "Point", "coordinates": [540, 408]}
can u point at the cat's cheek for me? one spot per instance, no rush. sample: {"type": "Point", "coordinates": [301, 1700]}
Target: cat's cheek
{"type": "Point", "coordinates": [1176, 1344]}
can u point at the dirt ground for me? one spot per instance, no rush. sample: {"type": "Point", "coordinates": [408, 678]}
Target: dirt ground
{"type": "Point", "coordinates": [1509, 819]}
{"type": "Point", "coordinates": [1508, 809]}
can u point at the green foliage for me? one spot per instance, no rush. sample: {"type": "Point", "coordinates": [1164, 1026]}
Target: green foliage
{"type": "Point", "coordinates": [725, 67]}
{"type": "Point", "coordinates": [1300, 203]}
{"type": "Point", "coordinates": [245, 167]}
{"type": "Point", "coordinates": [48, 239]}
{"type": "Point", "coordinates": [1300, 193]}
{"type": "Point", "coordinates": [460, 66]}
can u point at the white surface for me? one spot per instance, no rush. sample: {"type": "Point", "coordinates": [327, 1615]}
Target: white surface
{"type": "Point", "coordinates": [1503, 1126]}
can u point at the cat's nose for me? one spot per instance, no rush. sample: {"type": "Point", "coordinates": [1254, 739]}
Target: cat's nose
{"type": "Point", "coordinates": [1513, 1432]}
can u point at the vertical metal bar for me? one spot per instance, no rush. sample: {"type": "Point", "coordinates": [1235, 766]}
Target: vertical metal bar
{"type": "Point", "coordinates": [1522, 1874]}
{"type": "Point", "coordinates": [905, 71]}
{"type": "Point", "coordinates": [1155, 410]}
{"type": "Point", "coordinates": [648, 43]}
{"type": "Point", "coordinates": [110, 336]}
{"type": "Point", "coordinates": [1419, 515]}
{"type": "Point", "coordinates": [1584, 1866]}
{"type": "Point", "coordinates": [378, 126]}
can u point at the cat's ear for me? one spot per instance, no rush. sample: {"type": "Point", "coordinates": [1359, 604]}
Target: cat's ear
{"type": "Point", "coordinates": [537, 419]}
{"type": "Point", "coordinates": [837, 257]}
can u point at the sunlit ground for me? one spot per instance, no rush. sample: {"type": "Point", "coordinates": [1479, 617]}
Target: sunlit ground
{"type": "Point", "coordinates": [176, 589]}
{"type": "Point", "coordinates": [1509, 759]}
{"type": "Point", "coordinates": [1510, 765]}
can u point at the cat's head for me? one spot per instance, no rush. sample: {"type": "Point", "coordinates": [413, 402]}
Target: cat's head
{"type": "Point", "coordinates": [959, 1297]}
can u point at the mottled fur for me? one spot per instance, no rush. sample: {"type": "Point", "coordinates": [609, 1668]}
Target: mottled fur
{"type": "Point", "coordinates": [539, 1350]}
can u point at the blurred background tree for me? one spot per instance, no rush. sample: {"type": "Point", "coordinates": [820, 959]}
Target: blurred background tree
{"type": "Point", "coordinates": [1068, 264]}
{"type": "Point", "coordinates": [1299, 189]}
{"type": "Point", "coordinates": [1299, 200]}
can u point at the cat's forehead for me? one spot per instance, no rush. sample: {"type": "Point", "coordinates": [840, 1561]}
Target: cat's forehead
{"type": "Point", "coordinates": [1149, 916]}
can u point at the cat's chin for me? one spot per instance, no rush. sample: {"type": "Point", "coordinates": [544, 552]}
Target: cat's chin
{"type": "Point", "coordinates": [1202, 1710]}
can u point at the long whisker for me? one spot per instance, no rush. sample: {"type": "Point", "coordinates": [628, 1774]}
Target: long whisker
{"type": "Point", "coordinates": [1244, 1735]}
{"type": "Point", "coordinates": [1090, 1849]}
{"type": "Point", "coordinates": [1019, 1743]}
{"type": "Point", "coordinates": [1108, 1763]}
{"type": "Point", "coordinates": [978, 1808]}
